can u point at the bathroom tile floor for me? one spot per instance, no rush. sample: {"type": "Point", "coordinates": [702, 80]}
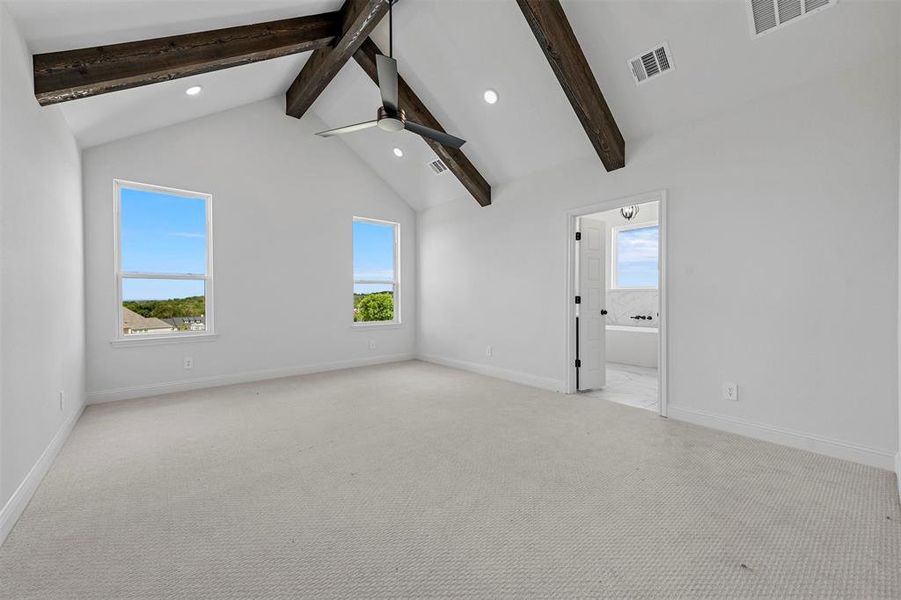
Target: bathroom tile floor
{"type": "Point", "coordinates": [630, 385]}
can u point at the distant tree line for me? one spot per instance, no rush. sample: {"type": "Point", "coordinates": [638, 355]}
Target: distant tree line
{"type": "Point", "coordinates": [192, 306]}
{"type": "Point", "coordinates": [377, 306]}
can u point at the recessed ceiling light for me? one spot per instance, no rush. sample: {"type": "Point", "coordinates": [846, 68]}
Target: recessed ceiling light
{"type": "Point", "coordinates": [193, 90]}
{"type": "Point", "coordinates": [398, 153]}
{"type": "Point", "coordinates": [490, 96]}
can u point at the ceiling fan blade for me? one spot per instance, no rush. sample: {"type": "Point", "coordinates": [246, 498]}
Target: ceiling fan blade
{"type": "Point", "coordinates": [348, 129]}
{"type": "Point", "coordinates": [445, 139]}
{"type": "Point", "coordinates": [387, 72]}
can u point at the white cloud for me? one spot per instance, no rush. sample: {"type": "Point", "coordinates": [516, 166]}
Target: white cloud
{"type": "Point", "coordinates": [637, 245]}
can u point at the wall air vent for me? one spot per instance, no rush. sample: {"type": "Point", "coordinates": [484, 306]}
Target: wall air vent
{"type": "Point", "coordinates": [437, 166]}
{"type": "Point", "coordinates": [769, 15]}
{"type": "Point", "coordinates": [651, 64]}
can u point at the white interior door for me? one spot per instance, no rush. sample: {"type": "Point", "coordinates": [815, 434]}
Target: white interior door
{"type": "Point", "coordinates": [591, 310]}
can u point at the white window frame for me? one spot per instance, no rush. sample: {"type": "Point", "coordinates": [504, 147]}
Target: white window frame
{"type": "Point", "coordinates": [122, 339]}
{"type": "Point", "coordinates": [392, 282]}
{"type": "Point", "coordinates": [614, 244]}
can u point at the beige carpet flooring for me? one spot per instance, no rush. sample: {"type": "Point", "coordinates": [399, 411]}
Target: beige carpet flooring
{"type": "Point", "coordinates": [417, 481]}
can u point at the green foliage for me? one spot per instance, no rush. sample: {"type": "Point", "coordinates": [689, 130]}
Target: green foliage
{"type": "Point", "coordinates": [192, 306]}
{"type": "Point", "coordinates": [374, 307]}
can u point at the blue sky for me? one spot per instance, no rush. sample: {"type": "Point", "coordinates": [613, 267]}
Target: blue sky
{"type": "Point", "coordinates": [373, 249]}
{"type": "Point", "coordinates": [162, 234]}
{"type": "Point", "coordinates": [636, 257]}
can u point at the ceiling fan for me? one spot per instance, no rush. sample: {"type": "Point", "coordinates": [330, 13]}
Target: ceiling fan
{"type": "Point", "coordinates": [391, 117]}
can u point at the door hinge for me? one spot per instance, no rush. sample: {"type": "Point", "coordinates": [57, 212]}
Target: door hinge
{"type": "Point", "coordinates": [578, 235]}
{"type": "Point", "coordinates": [578, 299]}
{"type": "Point", "coordinates": [578, 363]}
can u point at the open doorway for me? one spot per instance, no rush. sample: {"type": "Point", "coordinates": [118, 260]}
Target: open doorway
{"type": "Point", "coordinates": [616, 314]}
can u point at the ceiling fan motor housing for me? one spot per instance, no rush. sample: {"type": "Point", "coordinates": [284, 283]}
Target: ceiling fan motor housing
{"type": "Point", "coordinates": [391, 122]}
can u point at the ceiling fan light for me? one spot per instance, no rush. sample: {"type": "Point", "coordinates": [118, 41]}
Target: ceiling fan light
{"type": "Point", "coordinates": [398, 153]}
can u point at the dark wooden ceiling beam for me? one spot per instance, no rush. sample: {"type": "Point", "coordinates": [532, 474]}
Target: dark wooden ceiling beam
{"type": "Point", "coordinates": [563, 52]}
{"type": "Point", "coordinates": [416, 111]}
{"type": "Point", "coordinates": [358, 19]}
{"type": "Point", "coordinates": [73, 74]}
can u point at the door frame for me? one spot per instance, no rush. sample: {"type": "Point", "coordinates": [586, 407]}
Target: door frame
{"type": "Point", "coordinates": [663, 337]}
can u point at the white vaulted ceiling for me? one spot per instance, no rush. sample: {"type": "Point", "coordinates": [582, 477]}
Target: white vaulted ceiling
{"type": "Point", "coordinates": [63, 25]}
{"type": "Point", "coordinates": [450, 51]}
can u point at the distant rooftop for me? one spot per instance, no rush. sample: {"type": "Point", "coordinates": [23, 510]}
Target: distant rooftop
{"type": "Point", "coordinates": [135, 322]}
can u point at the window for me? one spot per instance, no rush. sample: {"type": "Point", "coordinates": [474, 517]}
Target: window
{"type": "Point", "coordinates": [634, 256]}
{"type": "Point", "coordinates": [163, 262]}
{"type": "Point", "coordinates": [376, 281]}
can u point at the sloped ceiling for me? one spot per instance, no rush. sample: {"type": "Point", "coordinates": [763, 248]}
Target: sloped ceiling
{"type": "Point", "coordinates": [450, 51]}
{"type": "Point", "coordinates": [53, 25]}
{"type": "Point", "coordinates": [50, 25]}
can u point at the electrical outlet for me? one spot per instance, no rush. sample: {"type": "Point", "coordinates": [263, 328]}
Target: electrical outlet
{"type": "Point", "coordinates": [489, 351]}
{"type": "Point", "coordinates": [372, 344]}
{"type": "Point", "coordinates": [62, 401]}
{"type": "Point", "coordinates": [730, 392]}
{"type": "Point", "coordinates": [189, 363]}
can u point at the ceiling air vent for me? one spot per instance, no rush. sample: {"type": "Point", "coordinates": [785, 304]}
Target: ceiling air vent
{"type": "Point", "coordinates": [652, 63]}
{"type": "Point", "coordinates": [438, 167]}
{"type": "Point", "coordinates": [769, 15]}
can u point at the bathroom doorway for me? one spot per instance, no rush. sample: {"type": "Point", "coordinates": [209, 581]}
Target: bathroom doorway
{"type": "Point", "coordinates": [616, 308]}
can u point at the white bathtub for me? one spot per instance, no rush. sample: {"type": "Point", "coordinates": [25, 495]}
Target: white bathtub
{"type": "Point", "coordinates": [632, 345]}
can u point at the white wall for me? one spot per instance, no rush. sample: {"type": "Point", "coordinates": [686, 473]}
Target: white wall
{"type": "Point", "coordinates": [41, 269]}
{"type": "Point", "coordinates": [283, 202]}
{"type": "Point", "coordinates": [783, 266]}
{"type": "Point", "coordinates": [898, 455]}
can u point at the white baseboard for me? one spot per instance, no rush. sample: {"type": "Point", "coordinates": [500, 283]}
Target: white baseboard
{"type": "Point", "coordinates": [898, 472]}
{"type": "Point", "coordinates": [16, 504]}
{"type": "Point", "coordinates": [168, 387]}
{"type": "Point", "coordinates": [545, 383]}
{"type": "Point", "coordinates": [786, 437]}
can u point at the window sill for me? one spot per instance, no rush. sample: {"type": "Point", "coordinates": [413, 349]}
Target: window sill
{"type": "Point", "coordinates": [163, 339]}
{"type": "Point", "coordinates": [377, 325]}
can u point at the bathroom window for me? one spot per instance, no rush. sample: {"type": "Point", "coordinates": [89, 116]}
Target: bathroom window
{"type": "Point", "coordinates": [635, 249]}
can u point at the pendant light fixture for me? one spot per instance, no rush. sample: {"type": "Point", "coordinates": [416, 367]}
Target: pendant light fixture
{"type": "Point", "coordinates": [628, 212]}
